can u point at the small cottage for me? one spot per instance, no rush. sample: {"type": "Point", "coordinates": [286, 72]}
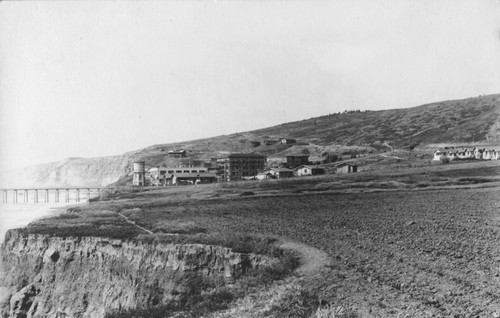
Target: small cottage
{"type": "Point", "coordinates": [347, 168]}
{"type": "Point", "coordinates": [287, 141]}
{"type": "Point", "coordinates": [275, 173]}
{"type": "Point", "coordinates": [490, 155]}
{"type": "Point", "coordinates": [478, 153]}
{"type": "Point", "coordinates": [305, 170]}
{"type": "Point", "coordinates": [177, 153]}
{"type": "Point", "coordinates": [439, 155]}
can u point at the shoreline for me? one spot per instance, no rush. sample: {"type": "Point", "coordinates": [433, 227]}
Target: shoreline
{"type": "Point", "coordinates": [19, 215]}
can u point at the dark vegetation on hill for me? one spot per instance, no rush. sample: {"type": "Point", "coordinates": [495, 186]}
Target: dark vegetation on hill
{"type": "Point", "coordinates": [460, 121]}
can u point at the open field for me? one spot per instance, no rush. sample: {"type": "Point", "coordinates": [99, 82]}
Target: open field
{"type": "Point", "coordinates": [421, 242]}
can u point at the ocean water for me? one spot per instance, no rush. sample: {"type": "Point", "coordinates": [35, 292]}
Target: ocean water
{"type": "Point", "coordinates": [19, 215]}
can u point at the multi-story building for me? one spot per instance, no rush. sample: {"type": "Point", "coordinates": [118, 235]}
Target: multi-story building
{"type": "Point", "coordinates": [183, 175]}
{"type": "Point", "coordinates": [240, 166]}
{"type": "Point", "coordinates": [295, 161]}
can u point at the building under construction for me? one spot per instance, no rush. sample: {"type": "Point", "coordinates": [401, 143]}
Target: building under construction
{"type": "Point", "coordinates": [239, 166]}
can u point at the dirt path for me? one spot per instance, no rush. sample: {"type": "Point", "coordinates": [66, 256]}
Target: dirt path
{"type": "Point", "coordinates": [134, 224]}
{"type": "Point", "coordinates": [313, 263]}
{"type": "Point", "coordinates": [313, 260]}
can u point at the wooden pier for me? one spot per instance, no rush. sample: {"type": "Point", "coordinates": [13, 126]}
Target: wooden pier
{"type": "Point", "coordinates": [44, 195]}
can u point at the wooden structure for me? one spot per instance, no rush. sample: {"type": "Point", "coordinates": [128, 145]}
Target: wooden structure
{"type": "Point", "coordinates": [177, 153]}
{"type": "Point", "coordinates": [295, 161]}
{"type": "Point", "coordinates": [305, 170]}
{"type": "Point", "coordinates": [27, 195]}
{"type": "Point", "coordinates": [347, 168]}
{"type": "Point", "coordinates": [239, 166]}
{"type": "Point", "coordinates": [287, 141]}
{"type": "Point", "coordinates": [275, 173]}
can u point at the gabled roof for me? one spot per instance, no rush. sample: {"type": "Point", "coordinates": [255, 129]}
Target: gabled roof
{"type": "Point", "coordinates": [346, 164]}
{"type": "Point", "coordinates": [276, 169]}
{"type": "Point", "coordinates": [309, 167]}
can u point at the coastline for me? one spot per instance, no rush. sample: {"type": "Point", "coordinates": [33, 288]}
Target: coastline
{"type": "Point", "coordinates": [19, 215]}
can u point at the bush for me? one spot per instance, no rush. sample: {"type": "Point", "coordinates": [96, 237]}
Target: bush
{"type": "Point", "coordinates": [296, 302]}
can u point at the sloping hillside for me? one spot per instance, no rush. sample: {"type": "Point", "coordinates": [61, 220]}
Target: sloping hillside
{"type": "Point", "coordinates": [467, 120]}
{"type": "Point", "coordinates": [461, 121]}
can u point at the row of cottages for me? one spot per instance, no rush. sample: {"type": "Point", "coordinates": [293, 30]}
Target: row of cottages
{"type": "Point", "coordinates": [282, 173]}
{"type": "Point", "coordinates": [466, 154]}
{"type": "Point", "coordinates": [188, 175]}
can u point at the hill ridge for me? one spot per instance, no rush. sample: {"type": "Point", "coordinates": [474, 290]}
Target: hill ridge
{"type": "Point", "coordinates": [467, 120]}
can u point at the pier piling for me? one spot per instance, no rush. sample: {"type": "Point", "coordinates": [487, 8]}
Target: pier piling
{"type": "Point", "coordinates": [25, 193]}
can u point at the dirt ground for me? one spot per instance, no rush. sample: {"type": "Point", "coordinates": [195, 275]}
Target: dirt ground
{"type": "Point", "coordinates": [388, 254]}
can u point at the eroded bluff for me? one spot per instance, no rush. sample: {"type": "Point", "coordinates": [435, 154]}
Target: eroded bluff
{"type": "Point", "coordinates": [87, 277]}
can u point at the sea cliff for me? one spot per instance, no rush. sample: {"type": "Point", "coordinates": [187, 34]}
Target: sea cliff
{"type": "Point", "coordinates": [90, 276]}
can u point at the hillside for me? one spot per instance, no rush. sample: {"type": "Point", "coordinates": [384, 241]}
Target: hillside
{"type": "Point", "coordinates": [449, 122]}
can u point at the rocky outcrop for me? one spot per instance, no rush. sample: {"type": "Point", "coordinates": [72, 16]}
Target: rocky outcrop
{"type": "Point", "coordinates": [84, 277]}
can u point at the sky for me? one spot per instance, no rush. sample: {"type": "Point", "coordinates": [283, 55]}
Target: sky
{"type": "Point", "coordinates": [90, 79]}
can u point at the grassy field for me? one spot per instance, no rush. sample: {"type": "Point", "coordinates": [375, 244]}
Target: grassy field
{"type": "Point", "coordinates": [420, 242]}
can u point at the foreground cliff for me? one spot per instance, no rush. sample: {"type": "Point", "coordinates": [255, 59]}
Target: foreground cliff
{"type": "Point", "coordinates": [90, 276]}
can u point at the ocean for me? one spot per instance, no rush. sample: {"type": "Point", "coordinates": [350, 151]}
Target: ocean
{"type": "Point", "coordinates": [19, 215]}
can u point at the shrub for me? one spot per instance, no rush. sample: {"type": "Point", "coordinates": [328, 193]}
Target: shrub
{"type": "Point", "coordinates": [297, 302]}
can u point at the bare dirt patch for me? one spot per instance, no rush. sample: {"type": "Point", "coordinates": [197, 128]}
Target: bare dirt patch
{"type": "Point", "coordinates": [390, 254]}
{"type": "Point", "coordinates": [312, 260]}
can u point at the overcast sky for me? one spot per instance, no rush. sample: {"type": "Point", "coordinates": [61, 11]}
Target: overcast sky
{"type": "Point", "coordinates": [89, 78]}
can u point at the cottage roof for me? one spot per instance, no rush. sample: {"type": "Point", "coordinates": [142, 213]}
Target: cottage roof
{"type": "Point", "coordinates": [346, 164]}
{"type": "Point", "coordinates": [282, 169]}
{"type": "Point", "coordinates": [309, 167]}
{"type": "Point", "coordinates": [275, 169]}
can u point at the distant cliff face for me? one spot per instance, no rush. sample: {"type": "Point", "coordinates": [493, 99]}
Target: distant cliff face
{"type": "Point", "coordinates": [91, 172]}
{"type": "Point", "coordinates": [85, 277]}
